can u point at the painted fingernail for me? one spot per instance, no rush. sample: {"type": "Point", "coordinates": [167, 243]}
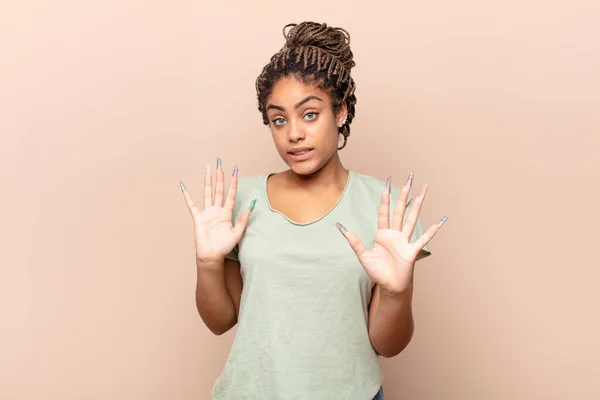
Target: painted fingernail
{"type": "Point", "coordinates": [341, 227]}
{"type": "Point", "coordinates": [442, 221]}
{"type": "Point", "coordinates": [218, 163]}
{"type": "Point", "coordinates": [182, 186]}
{"type": "Point", "coordinates": [235, 171]}
{"type": "Point", "coordinates": [410, 179]}
{"type": "Point", "coordinates": [388, 184]}
{"type": "Point", "coordinates": [252, 205]}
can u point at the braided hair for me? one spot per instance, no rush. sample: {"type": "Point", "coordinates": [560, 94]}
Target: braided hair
{"type": "Point", "coordinates": [315, 54]}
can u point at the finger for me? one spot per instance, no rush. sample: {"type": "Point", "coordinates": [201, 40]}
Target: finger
{"type": "Point", "coordinates": [411, 221]}
{"type": "Point", "coordinates": [207, 187]}
{"type": "Point", "coordinates": [383, 219]}
{"type": "Point", "coordinates": [220, 191]}
{"type": "Point", "coordinates": [354, 241]}
{"type": "Point", "coordinates": [242, 222]}
{"type": "Point", "coordinates": [429, 234]}
{"type": "Point", "coordinates": [188, 201]}
{"type": "Point", "coordinates": [231, 193]}
{"type": "Point", "coordinates": [398, 217]}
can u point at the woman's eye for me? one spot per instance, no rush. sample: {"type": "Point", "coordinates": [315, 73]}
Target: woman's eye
{"type": "Point", "coordinates": [278, 121]}
{"type": "Point", "coordinates": [310, 116]}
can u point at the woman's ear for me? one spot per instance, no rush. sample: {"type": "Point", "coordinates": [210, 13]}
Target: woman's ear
{"type": "Point", "coordinates": [342, 115]}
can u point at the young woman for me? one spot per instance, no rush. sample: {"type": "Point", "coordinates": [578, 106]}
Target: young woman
{"type": "Point", "coordinates": [317, 272]}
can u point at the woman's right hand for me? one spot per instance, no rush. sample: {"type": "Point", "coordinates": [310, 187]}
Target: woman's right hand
{"type": "Point", "coordinates": [214, 234]}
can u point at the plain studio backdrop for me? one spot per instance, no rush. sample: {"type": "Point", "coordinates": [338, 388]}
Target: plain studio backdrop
{"type": "Point", "coordinates": [106, 105]}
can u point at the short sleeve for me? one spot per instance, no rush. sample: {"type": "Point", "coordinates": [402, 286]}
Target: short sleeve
{"type": "Point", "coordinates": [419, 229]}
{"type": "Point", "coordinates": [233, 254]}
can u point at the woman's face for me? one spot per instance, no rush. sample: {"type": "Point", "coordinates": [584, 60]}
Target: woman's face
{"type": "Point", "coordinates": [304, 128]}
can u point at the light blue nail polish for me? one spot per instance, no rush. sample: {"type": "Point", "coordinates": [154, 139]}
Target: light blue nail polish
{"type": "Point", "coordinates": [442, 221]}
{"type": "Point", "coordinates": [252, 205]}
{"type": "Point", "coordinates": [341, 227]}
{"type": "Point", "coordinates": [182, 186]}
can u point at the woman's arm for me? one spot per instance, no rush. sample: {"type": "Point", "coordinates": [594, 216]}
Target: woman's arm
{"type": "Point", "coordinates": [391, 323]}
{"type": "Point", "coordinates": [218, 294]}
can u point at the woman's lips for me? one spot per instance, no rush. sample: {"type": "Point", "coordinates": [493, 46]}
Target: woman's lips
{"type": "Point", "coordinates": [301, 156]}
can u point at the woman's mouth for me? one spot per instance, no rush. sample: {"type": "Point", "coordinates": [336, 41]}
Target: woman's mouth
{"type": "Point", "coordinates": [300, 154]}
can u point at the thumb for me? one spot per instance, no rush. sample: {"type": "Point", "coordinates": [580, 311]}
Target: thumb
{"type": "Point", "coordinates": [242, 223]}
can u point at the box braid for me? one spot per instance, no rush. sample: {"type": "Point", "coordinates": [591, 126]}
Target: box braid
{"type": "Point", "coordinates": [315, 54]}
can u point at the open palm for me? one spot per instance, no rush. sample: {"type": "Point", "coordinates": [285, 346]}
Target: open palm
{"type": "Point", "coordinates": [214, 233]}
{"type": "Point", "coordinates": [390, 263]}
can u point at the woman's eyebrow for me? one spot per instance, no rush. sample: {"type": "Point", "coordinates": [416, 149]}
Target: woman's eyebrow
{"type": "Point", "coordinates": [308, 98]}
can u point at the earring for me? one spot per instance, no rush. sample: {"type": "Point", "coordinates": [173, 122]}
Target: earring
{"type": "Point", "coordinates": [343, 122]}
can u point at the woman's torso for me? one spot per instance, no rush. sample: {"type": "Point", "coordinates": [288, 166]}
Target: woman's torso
{"type": "Point", "coordinates": [303, 325]}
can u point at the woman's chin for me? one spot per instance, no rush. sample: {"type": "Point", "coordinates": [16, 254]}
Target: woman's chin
{"type": "Point", "coordinates": [303, 168]}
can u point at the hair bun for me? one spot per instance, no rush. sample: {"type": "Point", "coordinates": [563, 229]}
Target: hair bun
{"type": "Point", "coordinates": [335, 41]}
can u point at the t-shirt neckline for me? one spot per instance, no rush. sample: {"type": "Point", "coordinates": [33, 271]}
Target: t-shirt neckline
{"type": "Point", "coordinates": [339, 200]}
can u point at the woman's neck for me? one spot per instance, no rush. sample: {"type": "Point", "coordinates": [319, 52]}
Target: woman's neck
{"type": "Point", "coordinates": [331, 174]}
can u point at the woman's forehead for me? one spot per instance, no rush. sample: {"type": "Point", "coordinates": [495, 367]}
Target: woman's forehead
{"type": "Point", "coordinates": [289, 91]}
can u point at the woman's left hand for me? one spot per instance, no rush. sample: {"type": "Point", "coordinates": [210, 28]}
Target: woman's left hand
{"type": "Point", "coordinates": [390, 263]}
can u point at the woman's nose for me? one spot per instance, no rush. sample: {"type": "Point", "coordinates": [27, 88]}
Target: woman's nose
{"type": "Point", "coordinates": [295, 132]}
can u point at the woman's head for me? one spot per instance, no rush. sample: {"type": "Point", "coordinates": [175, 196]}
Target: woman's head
{"type": "Point", "coordinates": [306, 94]}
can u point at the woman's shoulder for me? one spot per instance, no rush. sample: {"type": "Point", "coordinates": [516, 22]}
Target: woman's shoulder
{"type": "Point", "coordinates": [367, 181]}
{"type": "Point", "coordinates": [250, 180]}
{"type": "Point", "coordinates": [367, 185]}
{"type": "Point", "coordinates": [250, 185]}
{"type": "Point", "coordinates": [373, 186]}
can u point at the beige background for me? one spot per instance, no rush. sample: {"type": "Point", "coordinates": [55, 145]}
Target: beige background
{"type": "Point", "coordinates": [105, 105]}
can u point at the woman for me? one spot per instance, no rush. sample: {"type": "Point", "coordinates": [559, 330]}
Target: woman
{"type": "Point", "coordinates": [314, 308]}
